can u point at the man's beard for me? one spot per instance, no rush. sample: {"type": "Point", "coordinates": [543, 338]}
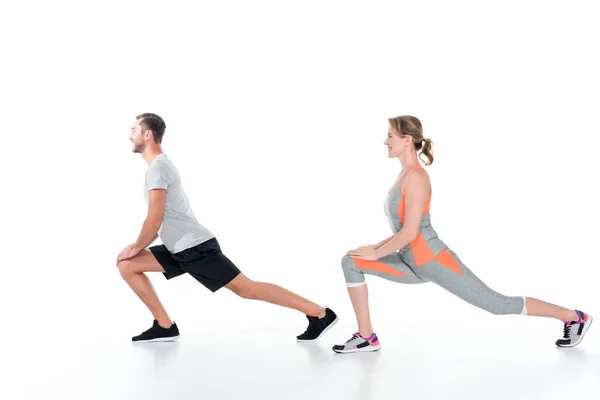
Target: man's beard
{"type": "Point", "coordinates": [138, 148]}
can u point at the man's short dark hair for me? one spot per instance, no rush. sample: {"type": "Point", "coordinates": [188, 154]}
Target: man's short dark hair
{"type": "Point", "coordinates": [154, 123]}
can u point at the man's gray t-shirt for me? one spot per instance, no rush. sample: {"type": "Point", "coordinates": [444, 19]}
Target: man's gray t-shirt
{"type": "Point", "coordinates": [179, 230]}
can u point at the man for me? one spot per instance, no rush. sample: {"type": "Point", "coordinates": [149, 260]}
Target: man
{"type": "Point", "coordinates": [189, 247]}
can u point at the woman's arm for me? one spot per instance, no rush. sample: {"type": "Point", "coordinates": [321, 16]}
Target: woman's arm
{"type": "Point", "coordinates": [384, 241]}
{"type": "Point", "coordinates": [416, 193]}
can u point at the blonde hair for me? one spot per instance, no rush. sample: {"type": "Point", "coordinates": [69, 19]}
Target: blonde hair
{"type": "Point", "coordinates": [407, 125]}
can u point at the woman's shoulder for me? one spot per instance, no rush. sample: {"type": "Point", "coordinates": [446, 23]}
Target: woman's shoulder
{"type": "Point", "coordinates": [418, 174]}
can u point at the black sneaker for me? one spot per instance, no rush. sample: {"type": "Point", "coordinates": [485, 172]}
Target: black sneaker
{"type": "Point", "coordinates": [158, 334]}
{"type": "Point", "coordinates": [318, 326]}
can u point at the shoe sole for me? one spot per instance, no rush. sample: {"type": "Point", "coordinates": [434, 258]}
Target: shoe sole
{"type": "Point", "coordinates": [335, 321]}
{"type": "Point", "coordinates": [164, 339]}
{"type": "Point", "coordinates": [362, 350]}
{"type": "Point", "coordinates": [585, 329]}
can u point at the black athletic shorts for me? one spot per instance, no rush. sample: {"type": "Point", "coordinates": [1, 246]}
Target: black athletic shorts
{"type": "Point", "coordinates": [205, 262]}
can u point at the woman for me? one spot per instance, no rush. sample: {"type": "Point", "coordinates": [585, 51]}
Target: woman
{"type": "Point", "coordinates": [415, 254]}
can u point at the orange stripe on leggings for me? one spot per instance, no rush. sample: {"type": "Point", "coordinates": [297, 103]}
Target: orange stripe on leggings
{"type": "Point", "coordinates": [421, 251]}
{"type": "Point", "coordinates": [374, 265]}
{"type": "Point", "coordinates": [423, 254]}
{"type": "Point", "coordinates": [445, 258]}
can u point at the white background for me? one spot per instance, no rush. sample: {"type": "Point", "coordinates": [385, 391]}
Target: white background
{"type": "Point", "coordinates": [276, 115]}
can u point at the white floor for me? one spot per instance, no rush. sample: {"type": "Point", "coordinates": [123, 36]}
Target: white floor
{"type": "Point", "coordinates": [422, 360]}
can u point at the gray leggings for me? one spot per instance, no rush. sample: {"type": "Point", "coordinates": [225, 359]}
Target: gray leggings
{"type": "Point", "coordinates": [464, 284]}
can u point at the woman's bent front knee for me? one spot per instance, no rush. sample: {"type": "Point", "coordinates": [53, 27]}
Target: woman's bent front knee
{"type": "Point", "coordinates": [353, 275]}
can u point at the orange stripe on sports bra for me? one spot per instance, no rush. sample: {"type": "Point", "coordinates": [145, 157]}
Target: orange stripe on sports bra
{"type": "Point", "coordinates": [402, 203]}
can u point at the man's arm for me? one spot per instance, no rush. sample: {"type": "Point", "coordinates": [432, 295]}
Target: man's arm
{"type": "Point", "coordinates": [156, 207]}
